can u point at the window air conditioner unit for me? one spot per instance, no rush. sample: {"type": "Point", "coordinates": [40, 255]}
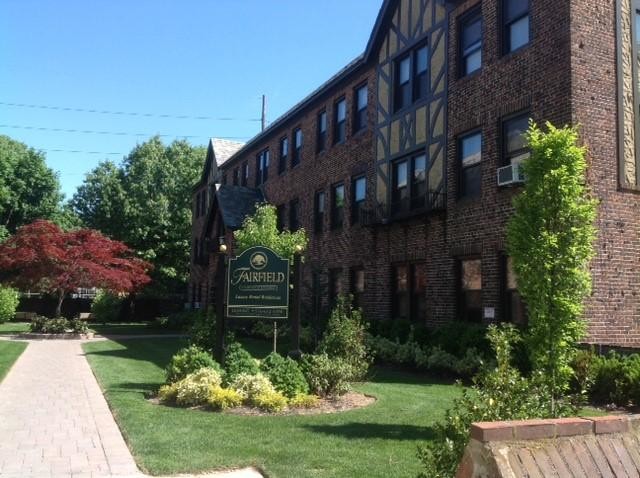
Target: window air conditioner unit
{"type": "Point", "coordinates": [511, 174]}
{"type": "Point", "coordinates": [196, 305]}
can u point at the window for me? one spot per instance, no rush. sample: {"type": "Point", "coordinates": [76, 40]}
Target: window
{"type": "Point", "coordinates": [245, 173]}
{"type": "Point", "coordinates": [358, 193]}
{"type": "Point", "coordinates": [515, 25]}
{"type": "Point", "coordinates": [335, 285]}
{"type": "Point", "coordinates": [470, 289]}
{"type": "Point", "coordinates": [514, 142]}
{"type": "Point", "coordinates": [280, 217]}
{"type": "Point", "coordinates": [360, 112]}
{"type": "Point", "coordinates": [319, 207]}
{"type": "Point", "coordinates": [514, 308]}
{"type": "Point", "coordinates": [357, 285]}
{"type": "Point", "coordinates": [284, 154]}
{"type": "Point", "coordinates": [409, 292]}
{"type": "Point", "coordinates": [411, 78]}
{"type": "Point", "coordinates": [337, 206]}
{"type": "Point", "coordinates": [294, 220]}
{"type": "Point", "coordinates": [262, 167]}
{"type": "Point", "coordinates": [470, 43]}
{"type": "Point", "coordinates": [236, 176]}
{"type": "Point", "coordinates": [469, 159]}
{"type": "Point", "coordinates": [409, 185]}
{"type": "Point", "coordinates": [297, 147]}
{"type": "Point", "coordinates": [340, 121]}
{"type": "Point", "coordinates": [321, 140]}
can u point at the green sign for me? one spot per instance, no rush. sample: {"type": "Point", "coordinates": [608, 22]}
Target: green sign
{"type": "Point", "coordinates": [258, 285]}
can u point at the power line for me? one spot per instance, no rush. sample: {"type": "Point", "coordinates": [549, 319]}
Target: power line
{"type": "Point", "coordinates": [113, 133]}
{"type": "Point", "coordinates": [78, 151]}
{"type": "Point", "coordinates": [125, 113]}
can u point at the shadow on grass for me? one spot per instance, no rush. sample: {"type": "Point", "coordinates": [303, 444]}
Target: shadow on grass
{"type": "Point", "coordinates": [390, 431]}
{"type": "Point", "coordinates": [157, 351]}
{"type": "Point", "coordinates": [384, 374]}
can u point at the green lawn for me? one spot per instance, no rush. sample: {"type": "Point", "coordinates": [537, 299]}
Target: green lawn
{"type": "Point", "coordinates": [9, 353]}
{"type": "Point", "coordinates": [376, 441]}
{"type": "Point", "coordinates": [12, 328]}
{"type": "Point", "coordinates": [132, 328]}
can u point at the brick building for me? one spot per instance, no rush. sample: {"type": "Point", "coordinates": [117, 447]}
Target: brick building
{"type": "Point", "coordinates": [402, 167]}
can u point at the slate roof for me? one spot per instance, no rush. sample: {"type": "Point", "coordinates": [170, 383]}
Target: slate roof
{"type": "Point", "coordinates": [236, 203]}
{"type": "Point", "coordinates": [223, 149]}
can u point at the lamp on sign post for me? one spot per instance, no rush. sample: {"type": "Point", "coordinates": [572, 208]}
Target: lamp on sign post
{"type": "Point", "coordinates": [294, 317]}
{"type": "Point", "coordinates": [221, 275]}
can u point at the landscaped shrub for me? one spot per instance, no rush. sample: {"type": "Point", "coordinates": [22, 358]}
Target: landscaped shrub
{"type": "Point", "coordinates": [203, 329]}
{"type": "Point", "coordinates": [189, 360]}
{"type": "Point", "coordinates": [178, 321]}
{"type": "Point", "coordinates": [223, 398]}
{"type": "Point", "coordinates": [78, 326]}
{"type": "Point", "coordinates": [44, 325]}
{"type": "Point", "coordinates": [497, 394]}
{"type": "Point", "coordinates": [345, 338]}
{"type": "Point", "coordinates": [168, 393]}
{"type": "Point", "coordinates": [610, 380]}
{"type": "Point", "coordinates": [583, 371]}
{"type": "Point", "coordinates": [326, 376]}
{"type": "Point", "coordinates": [8, 303]}
{"type": "Point", "coordinates": [106, 307]}
{"type": "Point", "coordinates": [238, 361]}
{"type": "Point", "coordinates": [194, 388]}
{"type": "Point", "coordinates": [303, 400]}
{"type": "Point", "coordinates": [440, 362]}
{"type": "Point", "coordinates": [270, 401]}
{"type": "Point", "coordinates": [455, 338]}
{"type": "Point", "coordinates": [251, 385]}
{"type": "Point", "coordinates": [382, 349]}
{"type": "Point", "coordinates": [470, 364]}
{"type": "Point", "coordinates": [284, 374]}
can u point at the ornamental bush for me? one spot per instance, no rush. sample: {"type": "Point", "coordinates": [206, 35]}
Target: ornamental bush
{"type": "Point", "coordinates": [270, 401]}
{"type": "Point", "coordinates": [251, 385]}
{"type": "Point", "coordinates": [303, 400]}
{"type": "Point", "coordinates": [345, 338]}
{"type": "Point", "coordinates": [238, 361]}
{"type": "Point", "coordinates": [189, 360]}
{"type": "Point", "coordinates": [327, 376]}
{"type": "Point", "coordinates": [223, 398]}
{"type": "Point", "coordinates": [44, 325]}
{"type": "Point", "coordinates": [194, 388]}
{"type": "Point", "coordinates": [9, 300]}
{"type": "Point", "coordinates": [106, 307]}
{"type": "Point", "coordinates": [168, 393]}
{"type": "Point", "coordinates": [202, 331]}
{"type": "Point", "coordinates": [284, 374]}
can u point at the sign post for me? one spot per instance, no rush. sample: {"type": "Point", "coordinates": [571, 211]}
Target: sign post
{"type": "Point", "coordinates": [258, 285]}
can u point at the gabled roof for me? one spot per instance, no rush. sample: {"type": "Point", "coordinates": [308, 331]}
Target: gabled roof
{"type": "Point", "coordinates": [219, 150]}
{"type": "Point", "coordinates": [235, 203]}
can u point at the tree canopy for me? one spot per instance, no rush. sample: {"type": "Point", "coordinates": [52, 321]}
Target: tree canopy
{"type": "Point", "coordinates": [43, 257]}
{"type": "Point", "coordinates": [146, 203]}
{"type": "Point", "coordinates": [29, 190]}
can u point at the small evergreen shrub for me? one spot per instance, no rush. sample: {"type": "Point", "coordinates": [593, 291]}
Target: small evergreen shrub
{"type": "Point", "coordinates": [202, 332]}
{"type": "Point", "coordinates": [189, 360]}
{"type": "Point", "coordinates": [239, 361]}
{"type": "Point", "coordinates": [326, 376]}
{"type": "Point", "coordinates": [9, 300]}
{"type": "Point", "coordinates": [44, 325]}
{"type": "Point", "coordinates": [194, 388]}
{"type": "Point", "coordinates": [270, 401]}
{"type": "Point", "coordinates": [168, 393]}
{"type": "Point", "coordinates": [284, 374]}
{"type": "Point", "coordinates": [223, 398]}
{"type": "Point", "coordinates": [440, 362]}
{"type": "Point", "coordinates": [610, 380]}
{"type": "Point", "coordinates": [345, 338]}
{"type": "Point", "coordinates": [78, 326]}
{"type": "Point", "coordinates": [303, 400]}
{"type": "Point", "coordinates": [249, 386]}
{"type": "Point", "coordinates": [106, 307]}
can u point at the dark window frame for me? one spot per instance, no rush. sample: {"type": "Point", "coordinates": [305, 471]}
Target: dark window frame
{"type": "Point", "coordinates": [236, 176]}
{"type": "Point", "coordinates": [337, 212]}
{"type": "Point", "coordinates": [505, 25]}
{"type": "Point", "coordinates": [510, 296]}
{"type": "Point", "coordinates": [339, 126]}
{"type": "Point", "coordinates": [465, 20]}
{"type": "Point", "coordinates": [284, 154]}
{"type": "Point", "coordinates": [462, 305]}
{"type": "Point", "coordinates": [461, 193]}
{"type": "Point", "coordinates": [360, 113]}
{"type": "Point", "coordinates": [415, 201]}
{"type": "Point", "coordinates": [319, 199]}
{"type": "Point", "coordinates": [336, 282]}
{"type": "Point", "coordinates": [280, 214]}
{"type": "Point", "coordinates": [357, 204]}
{"type": "Point", "coordinates": [506, 156]}
{"type": "Point", "coordinates": [358, 295]}
{"type": "Point", "coordinates": [262, 166]}
{"type": "Point", "coordinates": [407, 93]}
{"type": "Point", "coordinates": [244, 180]}
{"type": "Point", "coordinates": [296, 155]}
{"type": "Point", "coordinates": [294, 214]}
{"type": "Point", "coordinates": [321, 134]}
{"type": "Point", "coordinates": [415, 298]}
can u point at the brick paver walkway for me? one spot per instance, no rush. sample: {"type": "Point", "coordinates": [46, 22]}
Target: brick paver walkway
{"type": "Point", "coordinates": [55, 422]}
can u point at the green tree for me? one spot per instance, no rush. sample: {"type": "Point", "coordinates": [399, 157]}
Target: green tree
{"type": "Point", "coordinates": [146, 203]}
{"type": "Point", "coordinates": [261, 229]}
{"type": "Point", "coordinates": [550, 238]}
{"type": "Point", "coordinates": [29, 190]}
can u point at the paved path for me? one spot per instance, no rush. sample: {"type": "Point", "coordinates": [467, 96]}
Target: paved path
{"type": "Point", "coordinates": [55, 422]}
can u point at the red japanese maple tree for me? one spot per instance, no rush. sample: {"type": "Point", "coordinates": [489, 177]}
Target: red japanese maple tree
{"type": "Point", "coordinates": [40, 256]}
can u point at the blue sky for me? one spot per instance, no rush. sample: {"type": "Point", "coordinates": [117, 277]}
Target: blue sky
{"type": "Point", "coordinates": [210, 58]}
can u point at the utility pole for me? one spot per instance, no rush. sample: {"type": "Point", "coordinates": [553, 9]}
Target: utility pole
{"type": "Point", "coordinates": [264, 112]}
